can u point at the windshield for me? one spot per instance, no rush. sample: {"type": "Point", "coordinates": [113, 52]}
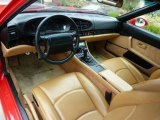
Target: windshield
{"type": "Point", "coordinates": [93, 5]}
{"type": "Point", "coordinates": [89, 5]}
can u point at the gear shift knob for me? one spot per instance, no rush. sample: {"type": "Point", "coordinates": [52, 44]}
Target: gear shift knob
{"type": "Point", "coordinates": [85, 57]}
{"type": "Point", "coordinates": [85, 51]}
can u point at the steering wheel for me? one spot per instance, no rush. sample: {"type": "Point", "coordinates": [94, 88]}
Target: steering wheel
{"type": "Point", "coordinates": [56, 41]}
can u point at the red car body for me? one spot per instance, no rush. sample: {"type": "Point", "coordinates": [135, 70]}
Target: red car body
{"type": "Point", "coordinates": [2, 7]}
{"type": "Point", "coordinates": [8, 101]}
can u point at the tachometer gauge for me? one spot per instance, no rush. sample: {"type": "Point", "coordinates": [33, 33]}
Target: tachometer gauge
{"type": "Point", "coordinates": [66, 27]}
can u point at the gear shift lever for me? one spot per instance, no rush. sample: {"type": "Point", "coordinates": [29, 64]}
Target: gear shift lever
{"type": "Point", "coordinates": [85, 57]}
{"type": "Point", "coordinates": [85, 51]}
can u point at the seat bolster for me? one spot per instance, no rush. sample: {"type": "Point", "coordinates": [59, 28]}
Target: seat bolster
{"type": "Point", "coordinates": [134, 98]}
{"type": "Point", "coordinates": [150, 85]}
{"type": "Point", "coordinates": [95, 95]}
{"type": "Point", "coordinates": [155, 75]}
{"type": "Point", "coordinates": [45, 106]}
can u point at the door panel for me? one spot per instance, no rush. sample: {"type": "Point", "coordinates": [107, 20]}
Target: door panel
{"type": "Point", "coordinates": [139, 46]}
{"type": "Point", "coordinates": [119, 45]}
{"type": "Point", "coordinates": [137, 59]}
{"type": "Point", "coordinates": [141, 34]}
{"type": "Point", "coordinates": [146, 51]}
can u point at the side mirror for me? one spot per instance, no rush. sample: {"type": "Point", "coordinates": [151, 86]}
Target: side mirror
{"type": "Point", "coordinates": [116, 3]}
{"type": "Point", "coordinates": [139, 22]}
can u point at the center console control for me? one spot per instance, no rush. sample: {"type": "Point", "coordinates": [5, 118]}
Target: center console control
{"type": "Point", "coordinates": [84, 55]}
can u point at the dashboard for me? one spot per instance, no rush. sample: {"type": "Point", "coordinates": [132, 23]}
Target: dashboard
{"type": "Point", "coordinates": [22, 29]}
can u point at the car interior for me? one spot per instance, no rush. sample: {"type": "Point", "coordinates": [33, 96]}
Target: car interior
{"type": "Point", "coordinates": [82, 66]}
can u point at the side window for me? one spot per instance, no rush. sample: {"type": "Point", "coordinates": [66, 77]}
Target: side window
{"type": "Point", "coordinates": [150, 22]}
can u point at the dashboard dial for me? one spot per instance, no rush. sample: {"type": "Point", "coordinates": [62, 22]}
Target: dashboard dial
{"type": "Point", "coordinates": [51, 27]}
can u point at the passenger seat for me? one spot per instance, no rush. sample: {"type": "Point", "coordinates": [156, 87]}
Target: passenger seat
{"type": "Point", "coordinates": [127, 71]}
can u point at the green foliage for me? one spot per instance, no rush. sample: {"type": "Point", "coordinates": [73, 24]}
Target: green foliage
{"type": "Point", "coordinates": [73, 3]}
{"type": "Point", "coordinates": [129, 5]}
{"type": "Point", "coordinates": [153, 28]}
{"type": "Point", "coordinates": [113, 13]}
{"type": "Point", "coordinates": [153, 22]}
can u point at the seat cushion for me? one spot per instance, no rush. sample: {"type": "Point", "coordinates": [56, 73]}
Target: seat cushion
{"type": "Point", "coordinates": [70, 97]}
{"type": "Point", "coordinates": [124, 69]}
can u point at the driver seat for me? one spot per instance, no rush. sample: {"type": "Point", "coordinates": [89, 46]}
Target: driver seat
{"type": "Point", "coordinates": [73, 97]}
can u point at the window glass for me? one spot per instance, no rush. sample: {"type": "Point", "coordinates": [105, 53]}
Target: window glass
{"type": "Point", "coordinates": [150, 22]}
{"type": "Point", "coordinates": [128, 6]}
{"type": "Point", "coordinates": [93, 5]}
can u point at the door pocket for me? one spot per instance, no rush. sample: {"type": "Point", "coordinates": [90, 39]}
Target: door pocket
{"type": "Point", "coordinates": [138, 60]}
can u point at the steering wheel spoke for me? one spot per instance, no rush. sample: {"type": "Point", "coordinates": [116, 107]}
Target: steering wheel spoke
{"type": "Point", "coordinates": [42, 38]}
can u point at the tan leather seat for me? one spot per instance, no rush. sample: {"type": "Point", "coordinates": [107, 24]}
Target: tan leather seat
{"type": "Point", "coordinates": [73, 97]}
{"type": "Point", "coordinates": [127, 71]}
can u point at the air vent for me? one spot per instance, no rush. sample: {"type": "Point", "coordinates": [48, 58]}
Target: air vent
{"type": "Point", "coordinates": [83, 24]}
{"type": "Point", "coordinates": [12, 31]}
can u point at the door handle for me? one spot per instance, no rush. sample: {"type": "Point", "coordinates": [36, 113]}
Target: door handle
{"type": "Point", "coordinates": [141, 45]}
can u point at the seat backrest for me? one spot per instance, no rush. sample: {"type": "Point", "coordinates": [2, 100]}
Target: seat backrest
{"type": "Point", "coordinates": [136, 112]}
{"type": "Point", "coordinates": [135, 105]}
{"type": "Point", "coordinates": [150, 85]}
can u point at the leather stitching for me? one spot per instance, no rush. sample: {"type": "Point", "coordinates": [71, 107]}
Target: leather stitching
{"type": "Point", "coordinates": [66, 94]}
{"type": "Point", "coordinates": [131, 113]}
{"type": "Point", "coordinates": [86, 113]}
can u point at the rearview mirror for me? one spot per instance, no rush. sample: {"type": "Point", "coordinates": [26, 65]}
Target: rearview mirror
{"type": "Point", "coordinates": [116, 3]}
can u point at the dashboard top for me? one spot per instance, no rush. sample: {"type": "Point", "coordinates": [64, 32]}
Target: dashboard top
{"type": "Point", "coordinates": [21, 29]}
{"type": "Point", "coordinates": [23, 17]}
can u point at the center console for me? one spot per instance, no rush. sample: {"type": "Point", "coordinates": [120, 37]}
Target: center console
{"type": "Point", "coordinates": [84, 55]}
{"type": "Point", "coordinates": [110, 77]}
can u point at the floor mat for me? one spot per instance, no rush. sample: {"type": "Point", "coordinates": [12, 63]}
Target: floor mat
{"type": "Point", "coordinates": [32, 72]}
{"type": "Point", "coordinates": [100, 58]}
